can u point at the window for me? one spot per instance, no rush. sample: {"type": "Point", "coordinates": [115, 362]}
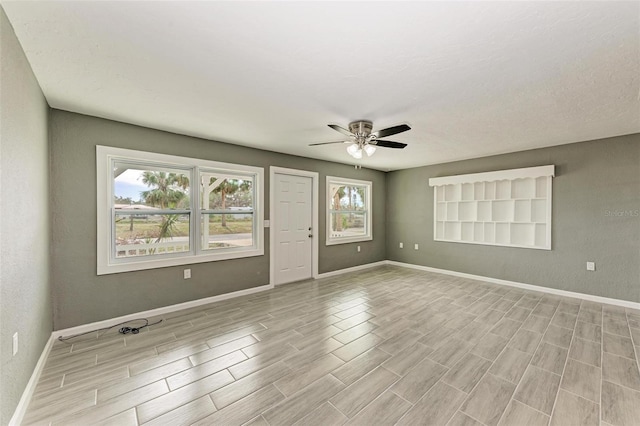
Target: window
{"type": "Point", "coordinates": [349, 210]}
{"type": "Point", "coordinates": [227, 210]}
{"type": "Point", "coordinates": [151, 210]}
{"type": "Point", "coordinates": [158, 210]}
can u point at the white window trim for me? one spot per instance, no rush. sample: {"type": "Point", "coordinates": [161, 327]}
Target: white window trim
{"type": "Point", "coordinates": [104, 192]}
{"type": "Point", "coordinates": [369, 215]}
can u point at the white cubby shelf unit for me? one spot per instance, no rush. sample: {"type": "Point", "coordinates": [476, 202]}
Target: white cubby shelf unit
{"type": "Point", "coordinates": [501, 208]}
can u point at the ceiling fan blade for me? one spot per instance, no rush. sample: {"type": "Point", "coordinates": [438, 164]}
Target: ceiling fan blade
{"type": "Point", "coordinates": [341, 129]}
{"type": "Point", "coordinates": [388, 144]}
{"type": "Point", "coordinates": [328, 143]}
{"type": "Point", "coordinates": [391, 131]}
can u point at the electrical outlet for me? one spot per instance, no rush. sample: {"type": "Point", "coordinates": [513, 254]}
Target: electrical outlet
{"type": "Point", "coordinates": [15, 343]}
{"type": "Point", "coordinates": [591, 266]}
{"type": "Point", "coordinates": [187, 274]}
{"type": "Point", "coordinates": [401, 245]}
{"type": "Point", "coordinates": [358, 249]}
{"type": "Point", "coordinates": [415, 247]}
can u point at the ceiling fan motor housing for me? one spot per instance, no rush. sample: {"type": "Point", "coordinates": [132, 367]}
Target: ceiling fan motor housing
{"type": "Point", "coordinates": [362, 127]}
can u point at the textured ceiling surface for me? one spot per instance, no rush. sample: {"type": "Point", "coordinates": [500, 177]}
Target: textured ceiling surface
{"type": "Point", "coordinates": [471, 78]}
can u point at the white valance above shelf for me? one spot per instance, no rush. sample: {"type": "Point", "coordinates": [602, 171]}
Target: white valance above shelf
{"type": "Point", "coordinates": [529, 172]}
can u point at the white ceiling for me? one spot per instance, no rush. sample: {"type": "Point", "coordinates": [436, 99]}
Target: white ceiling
{"type": "Point", "coordinates": [471, 78]}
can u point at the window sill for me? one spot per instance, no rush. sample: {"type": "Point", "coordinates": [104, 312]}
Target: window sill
{"type": "Point", "coordinates": [146, 264]}
{"type": "Point", "coordinates": [347, 240]}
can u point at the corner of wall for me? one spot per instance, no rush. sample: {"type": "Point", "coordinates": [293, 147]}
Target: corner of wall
{"type": "Point", "coordinates": [25, 226]}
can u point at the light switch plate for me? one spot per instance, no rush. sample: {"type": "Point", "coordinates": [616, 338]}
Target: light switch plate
{"type": "Point", "coordinates": [591, 266]}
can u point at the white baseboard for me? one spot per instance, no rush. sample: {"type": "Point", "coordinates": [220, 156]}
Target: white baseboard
{"type": "Point", "coordinates": [158, 311]}
{"type": "Point", "coordinates": [592, 298]}
{"type": "Point", "coordinates": [21, 409]}
{"type": "Point", "coordinates": [28, 392]}
{"type": "Point", "coordinates": [19, 413]}
{"type": "Point", "coordinates": [352, 269]}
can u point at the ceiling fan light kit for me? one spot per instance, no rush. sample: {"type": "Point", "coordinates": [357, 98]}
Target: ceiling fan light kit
{"type": "Point", "coordinates": [361, 138]}
{"type": "Point", "coordinates": [357, 154]}
{"type": "Point", "coordinates": [355, 150]}
{"type": "Point", "coordinates": [369, 149]}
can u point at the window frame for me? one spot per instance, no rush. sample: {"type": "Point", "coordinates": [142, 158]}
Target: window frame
{"type": "Point", "coordinates": [334, 180]}
{"type": "Point", "coordinates": [227, 174]}
{"type": "Point", "coordinates": [106, 261]}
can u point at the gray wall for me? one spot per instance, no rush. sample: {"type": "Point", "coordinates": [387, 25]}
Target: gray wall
{"type": "Point", "coordinates": [595, 183]}
{"type": "Point", "coordinates": [82, 297]}
{"type": "Point", "coordinates": [25, 294]}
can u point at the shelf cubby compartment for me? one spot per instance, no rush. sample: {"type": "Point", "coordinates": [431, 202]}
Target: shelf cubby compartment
{"type": "Point", "coordinates": [478, 191]}
{"type": "Point", "coordinates": [538, 210]}
{"type": "Point", "coordinates": [467, 210]}
{"type": "Point", "coordinates": [452, 192]}
{"type": "Point", "coordinates": [522, 211]}
{"type": "Point", "coordinates": [523, 188]}
{"type": "Point", "coordinates": [467, 192]}
{"type": "Point", "coordinates": [490, 232]}
{"type": "Point", "coordinates": [503, 235]}
{"type": "Point", "coordinates": [522, 234]}
{"type": "Point", "coordinates": [541, 186]}
{"type": "Point", "coordinates": [502, 211]}
{"type": "Point", "coordinates": [541, 235]}
{"type": "Point", "coordinates": [441, 211]}
{"type": "Point", "coordinates": [439, 230]}
{"type": "Point", "coordinates": [466, 231]}
{"type": "Point", "coordinates": [478, 232]}
{"type": "Point", "coordinates": [484, 211]}
{"type": "Point", "coordinates": [503, 190]}
{"type": "Point", "coordinates": [452, 231]}
{"type": "Point", "coordinates": [489, 190]}
{"type": "Point", "coordinates": [452, 211]}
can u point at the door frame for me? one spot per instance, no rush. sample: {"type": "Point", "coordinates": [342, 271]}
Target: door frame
{"type": "Point", "coordinates": [273, 170]}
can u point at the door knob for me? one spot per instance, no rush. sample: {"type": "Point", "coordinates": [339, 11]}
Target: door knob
{"type": "Point", "coordinates": [309, 228]}
{"type": "Point", "coordinates": [310, 235]}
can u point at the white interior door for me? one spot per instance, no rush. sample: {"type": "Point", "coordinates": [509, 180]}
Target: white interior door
{"type": "Point", "coordinates": [293, 231]}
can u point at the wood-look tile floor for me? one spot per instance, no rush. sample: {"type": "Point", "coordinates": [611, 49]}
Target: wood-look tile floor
{"type": "Point", "coordinates": [384, 346]}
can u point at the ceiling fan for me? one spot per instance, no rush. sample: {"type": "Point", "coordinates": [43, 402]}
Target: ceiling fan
{"type": "Point", "coordinates": [361, 137]}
